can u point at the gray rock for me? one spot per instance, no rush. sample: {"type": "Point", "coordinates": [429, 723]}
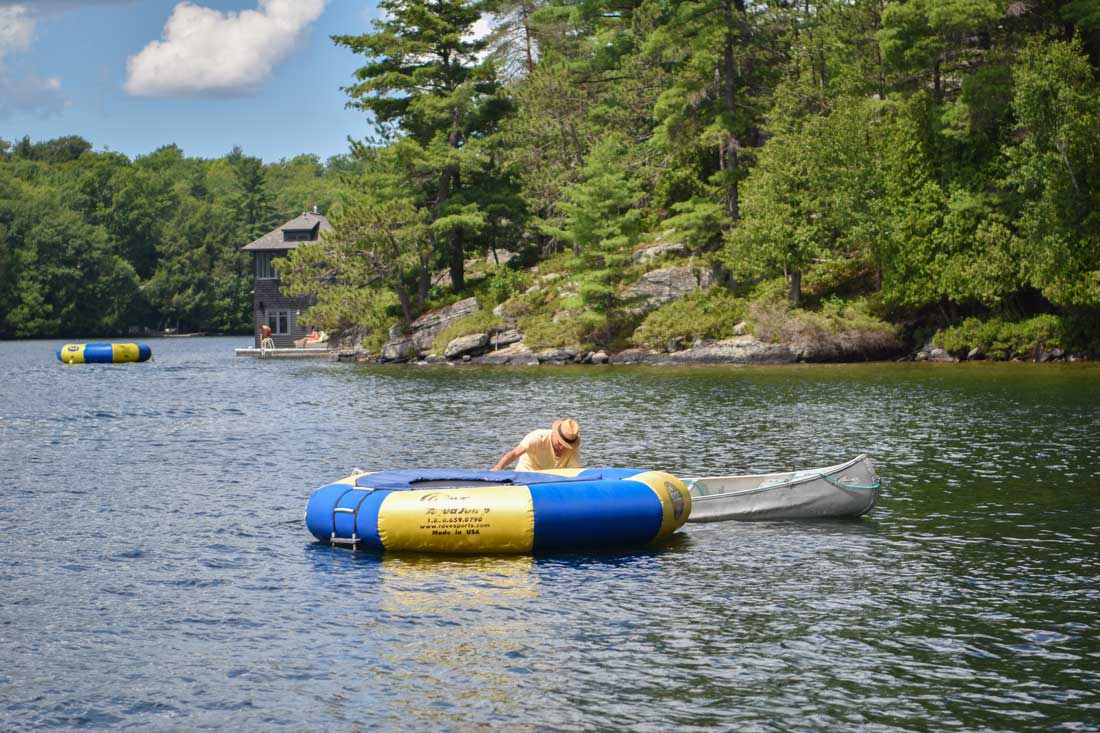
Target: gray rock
{"type": "Point", "coordinates": [425, 328]}
{"type": "Point", "coordinates": [556, 356]}
{"type": "Point", "coordinates": [349, 339]}
{"type": "Point", "coordinates": [499, 256]}
{"type": "Point", "coordinates": [346, 355]}
{"type": "Point", "coordinates": [632, 356]}
{"type": "Point", "coordinates": [599, 357]}
{"type": "Point", "coordinates": [513, 355]}
{"type": "Point", "coordinates": [560, 316]}
{"type": "Point", "coordinates": [940, 355]}
{"type": "Point", "coordinates": [443, 316]}
{"type": "Point", "coordinates": [397, 330]}
{"type": "Point", "coordinates": [738, 350]}
{"type": "Point", "coordinates": [401, 349]}
{"type": "Point", "coordinates": [670, 283]}
{"type": "Point", "coordinates": [504, 338]}
{"type": "Point", "coordinates": [464, 346]}
{"type": "Point", "coordinates": [653, 251]}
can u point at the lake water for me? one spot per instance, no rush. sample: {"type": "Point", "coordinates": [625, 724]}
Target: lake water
{"type": "Point", "coordinates": [156, 574]}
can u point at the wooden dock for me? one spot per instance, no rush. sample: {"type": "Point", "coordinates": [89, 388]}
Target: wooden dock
{"type": "Point", "coordinates": [291, 353]}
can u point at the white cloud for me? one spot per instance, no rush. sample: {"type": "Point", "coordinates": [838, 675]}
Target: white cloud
{"type": "Point", "coordinates": [206, 51]}
{"type": "Point", "coordinates": [29, 93]}
{"type": "Point", "coordinates": [16, 29]}
{"type": "Point", "coordinates": [23, 92]}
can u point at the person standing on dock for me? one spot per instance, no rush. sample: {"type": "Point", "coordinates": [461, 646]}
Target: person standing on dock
{"type": "Point", "coordinates": [558, 447]}
{"type": "Point", "coordinates": [266, 342]}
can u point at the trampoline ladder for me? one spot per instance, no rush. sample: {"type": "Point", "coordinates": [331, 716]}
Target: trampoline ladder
{"type": "Point", "coordinates": [355, 539]}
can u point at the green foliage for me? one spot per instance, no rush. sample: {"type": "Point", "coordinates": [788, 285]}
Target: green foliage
{"type": "Point", "coordinates": [1056, 171]}
{"type": "Point", "coordinates": [94, 244]}
{"type": "Point", "coordinates": [1001, 339]}
{"type": "Point", "coordinates": [540, 331]}
{"type": "Point", "coordinates": [344, 308]}
{"type": "Point", "coordinates": [814, 195]}
{"type": "Point", "coordinates": [428, 88]}
{"type": "Point", "coordinates": [925, 159]}
{"type": "Point", "coordinates": [837, 327]}
{"type": "Point", "coordinates": [375, 242]}
{"type": "Point", "coordinates": [840, 276]}
{"type": "Point", "coordinates": [481, 321]}
{"type": "Point", "coordinates": [698, 315]}
{"type": "Point", "coordinates": [503, 283]}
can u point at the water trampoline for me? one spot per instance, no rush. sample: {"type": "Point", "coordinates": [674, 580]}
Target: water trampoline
{"type": "Point", "coordinates": [487, 512]}
{"type": "Point", "coordinates": [103, 353]}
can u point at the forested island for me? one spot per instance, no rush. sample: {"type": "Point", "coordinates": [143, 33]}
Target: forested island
{"type": "Point", "coordinates": [874, 176]}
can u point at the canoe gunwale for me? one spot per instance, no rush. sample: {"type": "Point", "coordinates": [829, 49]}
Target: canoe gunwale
{"type": "Point", "coordinates": [815, 494]}
{"type": "Point", "coordinates": [826, 473]}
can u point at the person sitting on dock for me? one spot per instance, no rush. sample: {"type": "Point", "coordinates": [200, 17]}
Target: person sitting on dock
{"type": "Point", "coordinates": [311, 339]}
{"type": "Point", "coordinates": [558, 447]}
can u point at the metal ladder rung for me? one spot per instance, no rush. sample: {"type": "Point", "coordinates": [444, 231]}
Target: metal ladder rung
{"type": "Point", "coordinates": [354, 512]}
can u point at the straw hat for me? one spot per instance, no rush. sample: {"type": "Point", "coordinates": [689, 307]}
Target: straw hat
{"type": "Point", "coordinates": [568, 432]}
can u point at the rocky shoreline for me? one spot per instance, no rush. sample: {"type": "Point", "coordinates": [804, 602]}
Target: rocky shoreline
{"type": "Point", "coordinates": [504, 346]}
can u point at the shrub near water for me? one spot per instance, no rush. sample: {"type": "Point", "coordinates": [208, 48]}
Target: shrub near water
{"type": "Point", "coordinates": [837, 330]}
{"type": "Point", "coordinates": [698, 315]}
{"type": "Point", "coordinates": [540, 332]}
{"type": "Point", "coordinates": [999, 339]}
{"type": "Point", "coordinates": [478, 322]}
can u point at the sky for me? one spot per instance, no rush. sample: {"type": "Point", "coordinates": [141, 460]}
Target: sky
{"type": "Point", "coordinates": [134, 75]}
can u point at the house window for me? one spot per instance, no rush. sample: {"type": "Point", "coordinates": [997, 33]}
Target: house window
{"type": "Point", "coordinates": [264, 269]}
{"type": "Point", "coordinates": [279, 322]}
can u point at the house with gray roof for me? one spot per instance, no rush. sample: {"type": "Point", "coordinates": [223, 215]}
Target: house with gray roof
{"type": "Point", "coordinates": [282, 313]}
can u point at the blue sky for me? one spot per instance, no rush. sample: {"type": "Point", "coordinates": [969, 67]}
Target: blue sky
{"type": "Point", "coordinates": [134, 75]}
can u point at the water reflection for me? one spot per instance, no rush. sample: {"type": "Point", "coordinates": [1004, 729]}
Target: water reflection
{"type": "Point", "coordinates": [470, 627]}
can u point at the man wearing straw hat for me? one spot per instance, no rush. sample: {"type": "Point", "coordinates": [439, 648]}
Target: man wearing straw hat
{"type": "Point", "coordinates": [558, 447]}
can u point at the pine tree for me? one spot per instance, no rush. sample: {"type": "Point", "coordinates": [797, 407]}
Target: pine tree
{"type": "Point", "coordinates": [426, 82]}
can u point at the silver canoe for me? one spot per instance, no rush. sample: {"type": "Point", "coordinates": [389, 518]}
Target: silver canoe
{"type": "Point", "coordinates": [845, 490]}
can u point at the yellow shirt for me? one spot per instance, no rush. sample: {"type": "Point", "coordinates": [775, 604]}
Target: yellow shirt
{"type": "Point", "coordinates": [539, 453]}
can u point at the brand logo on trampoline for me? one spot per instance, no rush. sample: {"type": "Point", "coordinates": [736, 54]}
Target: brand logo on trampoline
{"type": "Point", "coordinates": [446, 497]}
{"type": "Point", "coordinates": [677, 500]}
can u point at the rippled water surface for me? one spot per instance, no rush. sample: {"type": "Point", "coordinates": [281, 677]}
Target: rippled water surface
{"type": "Point", "coordinates": [156, 574]}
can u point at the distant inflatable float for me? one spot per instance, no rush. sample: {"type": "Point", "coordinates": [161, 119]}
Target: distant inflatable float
{"type": "Point", "coordinates": [103, 353]}
{"type": "Point", "coordinates": [464, 511]}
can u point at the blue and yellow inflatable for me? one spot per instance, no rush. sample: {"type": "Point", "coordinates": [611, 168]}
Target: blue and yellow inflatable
{"type": "Point", "coordinates": [462, 511]}
{"type": "Point", "coordinates": [103, 353]}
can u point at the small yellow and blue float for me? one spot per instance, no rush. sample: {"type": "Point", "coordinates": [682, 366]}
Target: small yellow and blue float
{"type": "Point", "coordinates": [103, 353]}
{"type": "Point", "coordinates": [488, 512]}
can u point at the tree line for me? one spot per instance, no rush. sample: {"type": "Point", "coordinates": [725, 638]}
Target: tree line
{"type": "Point", "coordinates": [929, 159]}
{"type": "Point", "coordinates": [96, 244]}
{"type": "Point", "coordinates": [933, 159]}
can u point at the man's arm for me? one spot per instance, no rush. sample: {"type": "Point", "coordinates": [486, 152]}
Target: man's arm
{"type": "Point", "coordinates": [508, 458]}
